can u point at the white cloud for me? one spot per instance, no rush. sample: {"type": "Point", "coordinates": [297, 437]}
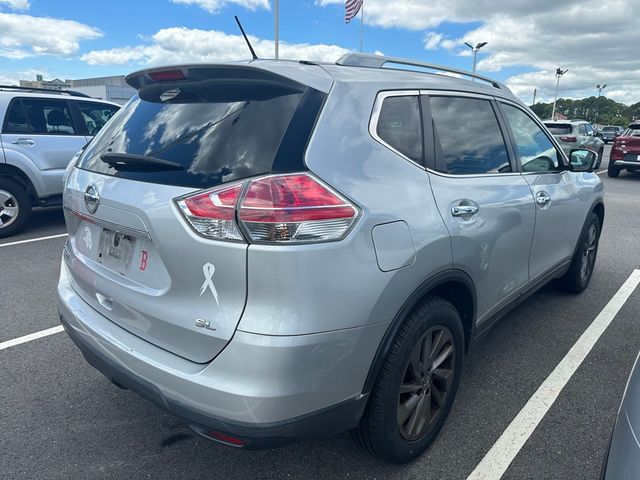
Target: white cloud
{"type": "Point", "coordinates": [214, 6]}
{"type": "Point", "coordinates": [24, 36]}
{"type": "Point", "coordinates": [179, 45]}
{"type": "Point", "coordinates": [594, 39]}
{"type": "Point", "coordinates": [15, 4]}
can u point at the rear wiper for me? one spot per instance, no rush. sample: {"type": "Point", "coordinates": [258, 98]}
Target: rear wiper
{"type": "Point", "coordinates": [131, 162]}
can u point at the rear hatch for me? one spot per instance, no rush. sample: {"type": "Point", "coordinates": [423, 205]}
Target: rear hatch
{"type": "Point", "coordinates": [628, 144]}
{"type": "Point", "coordinates": [131, 254]}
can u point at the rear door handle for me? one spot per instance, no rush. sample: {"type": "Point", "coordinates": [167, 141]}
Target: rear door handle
{"type": "Point", "coordinates": [463, 210]}
{"type": "Point", "coordinates": [542, 198]}
{"type": "Point", "coordinates": [28, 142]}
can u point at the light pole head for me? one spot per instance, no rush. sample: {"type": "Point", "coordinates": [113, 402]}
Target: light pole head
{"type": "Point", "coordinates": [604, 86]}
{"type": "Point", "coordinates": [480, 45]}
{"type": "Point", "coordinates": [469, 45]}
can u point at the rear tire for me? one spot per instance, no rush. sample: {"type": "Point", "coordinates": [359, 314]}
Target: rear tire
{"type": "Point", "coordinates": [416, 385]}
{"type": "Point", "coordinates": [579, 274]}
{"type": "Point", "coordinates": [15, 207]}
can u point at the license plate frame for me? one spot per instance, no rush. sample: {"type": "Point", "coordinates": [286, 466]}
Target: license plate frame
{"type": "Point", "coordinates": [116, 250]}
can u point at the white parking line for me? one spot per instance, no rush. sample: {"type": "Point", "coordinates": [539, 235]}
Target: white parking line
{"type": "Point", "coordinates": [30, 337]}
{"type": "Point", "coordinates": [502, 453]}
{"type": "Point", "coordinates": [20, 242]}
{"type": "Point", "coordinates": [600, 172]}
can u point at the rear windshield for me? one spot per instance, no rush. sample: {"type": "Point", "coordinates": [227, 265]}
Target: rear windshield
{"type": "Point", "coordinates": [632, 131]}
{"type": "Point", "coordinates": [559, 128]}
{"type": "Point", "coordinates": [208, 136]}
{"type": "Point", "coordinates": [610, 129]}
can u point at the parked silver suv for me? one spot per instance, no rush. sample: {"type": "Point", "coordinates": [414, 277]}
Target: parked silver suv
{"type": "Point", "coordinates": [277, 250]}
{"type": "Point", "coordinates": [41, 131]}
{"type": "Point", "coordinates": [572, 134]}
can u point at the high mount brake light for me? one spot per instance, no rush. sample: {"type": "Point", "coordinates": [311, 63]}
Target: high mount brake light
{"type": "Point", "coordinates": [569, 139]}
{"type": "Point", "coordinates": [167, 75]}
{"type": "Point", "coordinates": [290, 208]}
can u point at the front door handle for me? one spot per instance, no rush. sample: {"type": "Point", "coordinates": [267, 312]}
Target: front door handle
{"type": "Point", "coordinates": [542, 198]}
{"type": "Point", "coordinates": [464, 210]}
{"type": "Point", "coordinates": [27, 142]}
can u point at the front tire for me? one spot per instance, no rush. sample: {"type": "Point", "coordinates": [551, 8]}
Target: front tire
{"type": "Point", "coordinates": [612, 171]}
{"type": "Point", "coordinates": [416, 385]}
{"type": "Point", "coordinates": [579, 274]}
{"type": "Point", "coordinates": [15, 207]}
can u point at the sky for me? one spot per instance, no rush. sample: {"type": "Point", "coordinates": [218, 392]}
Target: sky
{"type": "Point", "coordinates": [595, 40]}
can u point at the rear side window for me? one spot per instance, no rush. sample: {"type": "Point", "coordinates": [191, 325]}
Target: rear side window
{"type": "Point", "coordinates": [559, 128]}
{"type": "Point", "coordinates": [39, 117]}
{"type": "Point", "coordinates": [468, 137]}
{"type": "Point", "coordinates": [96, 115]}
{"type": "Point", "coordinates": [211, 135]}
{"type": "Point", "coordinates": [399, 125]}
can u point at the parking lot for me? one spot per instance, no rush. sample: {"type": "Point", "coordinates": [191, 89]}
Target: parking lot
{"type": "Point", "coordinates": [62, 419]}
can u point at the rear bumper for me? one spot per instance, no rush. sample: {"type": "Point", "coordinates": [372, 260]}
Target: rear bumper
{"type": "Point", "coordinates": [264, 390]}
{"type": "Point", "coordinates": [625, 164]}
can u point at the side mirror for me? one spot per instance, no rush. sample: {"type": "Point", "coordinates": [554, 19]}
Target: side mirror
{"type": "Point", "coordinates": [583, 160]}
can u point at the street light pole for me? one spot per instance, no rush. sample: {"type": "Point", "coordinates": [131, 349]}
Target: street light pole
{"type": "Point", "coordinates": [559, 73]}
{"type": "Point", "coordinates": [475, 52]}
{"type": "Point", "coordinates": [277, 27]}
{"type": "Point", "coordinates": [600, 88]}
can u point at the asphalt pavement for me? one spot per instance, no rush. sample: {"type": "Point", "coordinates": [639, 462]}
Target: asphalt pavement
{"type": "Point", "coordinates": [60, 418]}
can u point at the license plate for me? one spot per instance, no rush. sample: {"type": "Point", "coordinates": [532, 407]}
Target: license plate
{"type": "Point", "coordinates": [116, 250]}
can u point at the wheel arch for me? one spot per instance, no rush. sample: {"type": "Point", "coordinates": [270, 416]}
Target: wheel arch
{"type": "Point", "coordinates": [19, 176]}
{"type": "Point", "coordinates": [456, 287]}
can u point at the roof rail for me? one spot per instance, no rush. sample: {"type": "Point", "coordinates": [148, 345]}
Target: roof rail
{"type": "Point", "coordinates": [44, 90]}
{"type": "Point", "coordinates": [379, 61]}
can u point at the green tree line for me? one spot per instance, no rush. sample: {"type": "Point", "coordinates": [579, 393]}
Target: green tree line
{"type": "Point", "coordinates": [597, 110]}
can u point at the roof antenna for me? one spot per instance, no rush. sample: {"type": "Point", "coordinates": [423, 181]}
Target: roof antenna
{"type": "Point", "coordinates": [253, 53]}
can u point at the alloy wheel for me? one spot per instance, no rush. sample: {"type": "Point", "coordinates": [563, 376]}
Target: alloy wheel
{"type": "Point", "coordinates": [9, 209]}
{"type": "Point", "coordinates": [426, 383]}
{"type": "Point", "coordinates": [589, 252]}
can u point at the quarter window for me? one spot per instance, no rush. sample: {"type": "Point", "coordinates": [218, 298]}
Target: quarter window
{"type": "Point", "coordinates": [468, 137]}
{"type": "Point", "coordinates": [399, 125]}
{"type": "Point", "coordinates": [536, 152]}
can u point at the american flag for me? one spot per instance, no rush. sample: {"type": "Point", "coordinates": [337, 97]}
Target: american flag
{"type": "Point", "coordinates": [351, 9]}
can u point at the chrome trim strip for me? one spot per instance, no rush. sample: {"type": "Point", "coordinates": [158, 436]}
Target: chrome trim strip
{"type": "Point", "coordinates": [109, 225]}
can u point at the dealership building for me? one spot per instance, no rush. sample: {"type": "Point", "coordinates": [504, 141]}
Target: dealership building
{"type": "Point", "coordinates": [113, 89]}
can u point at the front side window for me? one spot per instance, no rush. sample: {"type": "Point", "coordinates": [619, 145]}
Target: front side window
{"type": "Point", "coordinates": [536, 152]}
{"type": "Point", "coordinates": [399, 125]}
{"type": "Point", "coordinates": [95, 115]}
{"type": "Point", "coordinates": [468, 137]}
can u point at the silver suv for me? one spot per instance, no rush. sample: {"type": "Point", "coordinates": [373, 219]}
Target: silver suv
{"type": "Point", "coordinates": [41, 131]}
{"type": "Point", "coordinates": [279, 250]}
{"type": "Point", "coordinates": [572, 134]}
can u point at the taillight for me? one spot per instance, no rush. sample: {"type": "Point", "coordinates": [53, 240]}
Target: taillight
{"type": "Point", "coordinates": [568, 139]}
{"type": "Point", "coordinates": [212, 213]}
{"type": "Point", "coordinates": [290, 208]}
{"type": "Point", "coordinates": [294, 208]}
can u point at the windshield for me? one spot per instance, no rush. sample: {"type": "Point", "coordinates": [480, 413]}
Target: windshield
{"type": "Point", "coordinates": [214, 141]}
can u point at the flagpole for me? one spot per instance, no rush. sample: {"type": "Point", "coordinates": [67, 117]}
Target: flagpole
{"type": "Point", "coordinates": [362, 27]}
{"type": "Point", "coordinates": [277, 26]}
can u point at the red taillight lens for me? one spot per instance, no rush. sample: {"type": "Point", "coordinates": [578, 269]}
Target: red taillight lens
{"type": "Point", "coordinates": [279, 208]}
{"type": "Point", "coordinates": [568, 139]}
{"type": "Point", "coordinates": [212, 213]}
{"type": "Point", "coordinates": [294, 208]}
{"type": "Point", "coordinates": [167, 75]}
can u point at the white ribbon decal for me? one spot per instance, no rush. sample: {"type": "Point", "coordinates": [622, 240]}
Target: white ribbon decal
{"type": "Point", "coordinates": [208, 269]}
